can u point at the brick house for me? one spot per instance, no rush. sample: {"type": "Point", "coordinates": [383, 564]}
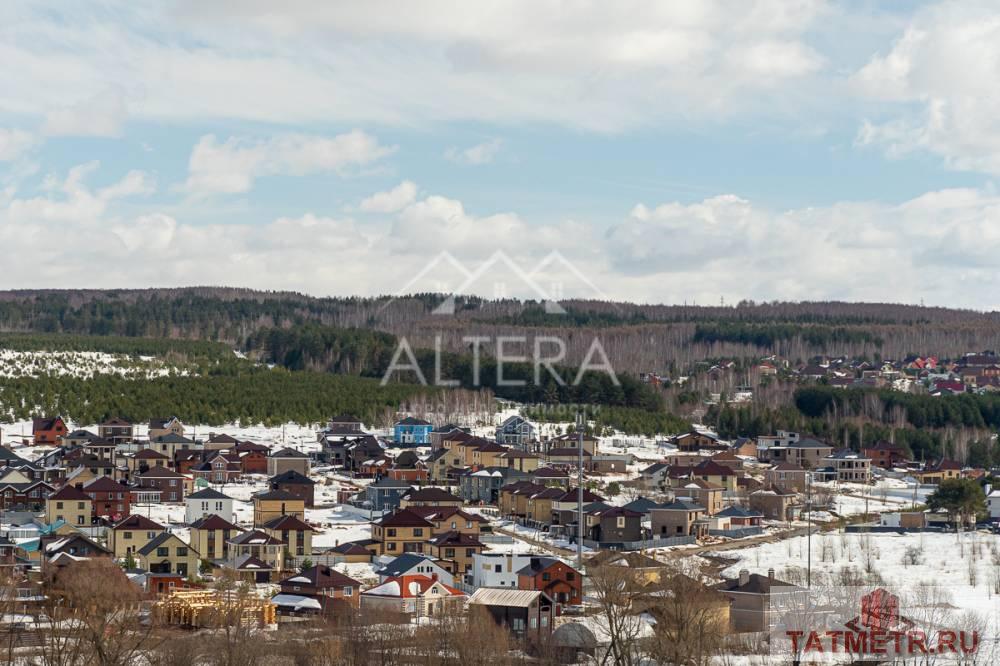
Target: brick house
{"type": "Point", "coordinates": [116, 430]}
{"type": "Point", "coordinates": [295, 483]}
{"type": "Point", "coordinates": [110, 498]}
{"type": "Point", "coordinates": [561, 582]}
{"type": "Point", "coordinates": [48, 430]}
{"type": "Point", "coordinates": [167, 481]}
{"type": "Point", "coordinates": [327, 589]}
{"type": "Point", "coordinates": [885, 454]}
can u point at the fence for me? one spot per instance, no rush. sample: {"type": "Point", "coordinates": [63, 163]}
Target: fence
{"type": "Point", "coordinates": [639, 545]}
{"type": "Point", "coordinates": [738, 532]}
{"type": "Point", "coordinates": [496, 538]}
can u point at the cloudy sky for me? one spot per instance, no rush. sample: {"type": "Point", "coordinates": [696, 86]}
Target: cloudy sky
{"type": "Point", "coordinates": [667, 152]}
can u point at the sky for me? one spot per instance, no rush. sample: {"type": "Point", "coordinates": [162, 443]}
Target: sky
{"type": "Point", "coordinates": [670, 152]}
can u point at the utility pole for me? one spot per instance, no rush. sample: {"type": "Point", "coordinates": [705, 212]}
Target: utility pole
{"type": "Point", "coordinates": [809, 531]}
{"type": "Point", "coordinates": [580, 424]}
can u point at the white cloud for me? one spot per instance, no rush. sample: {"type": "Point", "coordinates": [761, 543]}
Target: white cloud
{"type": "Point", "coordinates": [579, 65]}
{"type": "Point", "coordinates": [100, 115]}
{"type": "Point", "coordinates": [938, 79]}
{"type": "Point", "coordinates": [231, 167]}
{"type": "Point", "coordinates": [14, 143]}
{"type": "Point", "coordinates": [940, 247]}
{"type": "Point", "coordinates": [392, 200]}
{"type": "Point", "coordinates": [481, 153]}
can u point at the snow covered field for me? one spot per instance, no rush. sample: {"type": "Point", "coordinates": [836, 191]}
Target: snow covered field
{"type": "Point", "coordinates": [81, 364]}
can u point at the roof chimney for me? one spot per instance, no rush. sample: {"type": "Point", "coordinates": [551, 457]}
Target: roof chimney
{"type": "Point", "coordinates": [434, 577]}
{"type": "Point", "coordinates": [744, 577]}
{"type": "Point", "coordinates": [770, 574]}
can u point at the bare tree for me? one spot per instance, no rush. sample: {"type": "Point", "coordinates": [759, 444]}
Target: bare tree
{"type": "Point", "coordinates": [618, 613]}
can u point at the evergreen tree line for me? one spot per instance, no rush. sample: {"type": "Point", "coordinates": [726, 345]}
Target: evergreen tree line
{"type": "Point", "coordinates": [766, 336]}
{"type": "Point", "coordinates": [249, 395]}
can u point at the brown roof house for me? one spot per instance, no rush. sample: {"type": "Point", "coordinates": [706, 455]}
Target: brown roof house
{"type": "Point", "coordinates": [295, 483]}
{"type": "Point", "coordinates": [679, 518]}
{"type": "Point", "coordinates": [751, 597]}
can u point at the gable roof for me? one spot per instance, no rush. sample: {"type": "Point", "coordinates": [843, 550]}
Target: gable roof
{"type": "Point", "coordinates": [158, 541]}
{"type": "Point", "coordinates": [407, 587]}
{"type": "Point", "coordinates": [160, 472]}
{"type": "Point", "coordinates": [321, 576]}
{"type": "Point", "coordinates": [287, 523]}
{"type": "Point", "coordinates": [70, 493]}
{"type": "Point", "coordinates": [214, 522]}
{"type": "Point", "coordinates": [411, 420]}
{"type": "Point", "coordinates": [256, 538]}
{"type": "Point", "coordinates": [288, 452]}
{"type": "Point", "coordinates": [431, 494]}
{"type": "Point", "coordinates": [137, 522]}
{"type": "Point", "coordinates": [405, 563]}
{"type": "Point", "coordinates": [208, 493]}
{"type": "Point", "coordinates": [756, 584]}
{"type": "Point", "coordinates": [350, 548]}
{"type": "Point", "coordinates": [292, 477]}
{"type": "Point", "coordinates": [488, 596]}
{"type": "Point", "coordinates": [404, 518]}
{"type": "Point", "coordinates": [277, 495]}
{"type": "Point", "coordinates": [105, 484]}
{"type": "Point", "coordinates": [536, 565]}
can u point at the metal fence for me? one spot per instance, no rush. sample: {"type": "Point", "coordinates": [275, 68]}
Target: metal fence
{"type": "Point", "coordinates": [496, 538]}
{"type": "Point", "coordinates": [738, 532]}
{"type": "Point", "coordinates": [639, 545]}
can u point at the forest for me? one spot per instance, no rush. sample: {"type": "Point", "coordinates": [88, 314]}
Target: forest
{"type": "Point", "coordinates": [638, 338]}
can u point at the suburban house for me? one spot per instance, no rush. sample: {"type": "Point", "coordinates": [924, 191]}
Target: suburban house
{"type": "Point", "coordinates": [697, 440]}
{"type": "Point", "coordinates": [286, 459]}
{"type": "Point", "coordinates": [456, 549]}
{"type": "Point", "coordinates": [708, 471]}
{"type": "Point", "coordinates": [807, 452]}
{"type": "Point", "coordinates": [132, 533]}
{"type": "Point", "coordinates": [291, 481]}
{"type": "Point", "coordinates": [528, 614]}
{"type": "Point", "coordinates": [441, 432]}
{"type": "Point", "coordinates": [166, 553]}
{"type": "Point", "coordinates": [350, 551]}
{"type": "Point", "coordinates": [207, 502]}
{"type": "Point", "coordinates": [161, 427]}
{"type": "Point", "coordinates": [416, 596]}
{"type": "Point", "coordinates": [703, 493]}
{"type": "Point", "coordinates": [274, 503]}
{"type": "Point", "coordinates": [654, 477]}
{"type": "Point", "coordinates": [774, 503]}
{"type": "Point", "coordinates": [408, 467]}
{"type": "Point", "coordinates": [55, 549]}
{"type": "Point", "coordinates": [750, 600]}
{"type": "Point", "coordinates": [993, 504]}
{"type": "Point", "coordinates": [295, 533]}
{"type": "Point", "coordinates": [497, 569]}
{"type": "Point", "coordinates": [386, 493]}
{"type": "Point", "coordinates": [412, 430]}
{"type": "Point", "coordinates": [146, 459]}
{"type": "Point", "coordinates": [48, 430]}
{"type": "Point", "coordinates": [614, 524]}
{"type": "Point", "coordinates": [942, 470]}
{"type": "Point", "coordinates": [787, 476]}
{"type": "Point", "coordinates": [885, 454]}
{"type": "Point", "coordinates": [401, 532]}
{"type": "Point", "coordinates": [71, 505]}
{"type": "Point", "coordinates": [219, 467]}
{"type": "Point", "coordinates": [850, 466]}
{"type": "Point", "coordinates": [429, 496]}
{"type": "Point", "coordinates": [210, 536]}
{"type": "Point", "coordinates": [167, 481]}
{"type": "Point", "coordinates": [679, 518]}
{"type": "Point", "coordinates": [484, 485]}
{"type": "Point", "coordinates": [261, 547]}
{"type": "Point", "coordinates": [253, 457]}
{"type": "Point", "coordinates": [170, 443]}
{"type": "Point", "coordinates": [19, 492]}
{"type": "Point", "coordinates": [116, 430]}
{"type": "Point", "coordinates": [522, 461]}
{"type": "Point", "coordinates": [516, 431]}
{"type": "Point", "coordinates": [110, 498]}
{"type": "Point", "coordinates": [560, 582]}
{"type": "Point", "coordinates": [740, 517]}
{"type": "Point", "coordinates": [415, 564]}
{"type": "Point", "coordinates": [326, 589]}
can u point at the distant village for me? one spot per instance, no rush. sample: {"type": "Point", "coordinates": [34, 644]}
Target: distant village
{"type": "Point", "coordinates": [973, 372]}
{"type": "Point", "coordinates": [427, 520]}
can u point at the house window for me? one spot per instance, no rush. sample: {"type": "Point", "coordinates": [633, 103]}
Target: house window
{"type": "Point", "coordinates": [449, 552]}
{"type": "Point", "coordinates": [390, 546]}
{"type": "Point", "coordinates": [162, 552]}
{"type": "Point", "coordinates": [621, 522]}
{"type": "Point", "coordinates": [79, 505]}
{"type": "Point", "coordinates": [418, 531]}
{"type": "Point", "coordinates": [570, 575]}
{"type": "Point", "coordinates": [126, 535]}
{"type": "Point", "coordinates": [498, 568]}
{"type": "Point", "coordinates": [182, 551]}
{"type": "Point", "coordinates": [59, 505]}
{"type": "Point", "coordinates": [546, 576]}
{"type": "Point", "coordinates": [391, 532]}
{"type": "Point", "coordinates": [348, 591]}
